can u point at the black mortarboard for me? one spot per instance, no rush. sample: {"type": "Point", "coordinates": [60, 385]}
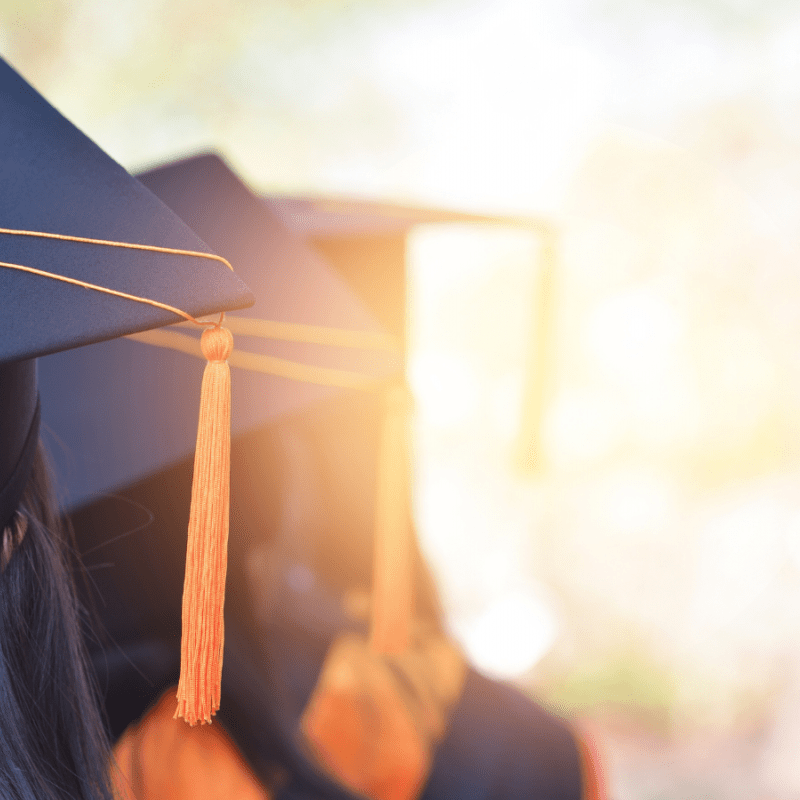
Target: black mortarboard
{"type": "Point", "coordinates": [151, 465]}
{"type": "Point", "coordinates": [291, 284]}
{"type": "Point", "coordinates": [55, 180]}
{"type": "Point", "coordinates": [75, 226]}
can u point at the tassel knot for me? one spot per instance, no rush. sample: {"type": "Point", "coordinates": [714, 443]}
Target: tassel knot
{"type": "Point", "coordinates": [206, 551]}
{"type": "Point", "coordinates": [216, 343]}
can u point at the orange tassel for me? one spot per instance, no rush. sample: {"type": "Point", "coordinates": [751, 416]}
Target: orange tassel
{"type": "Point", "coordinates": [207, 548]}
{"type": "Point", "coordinates": [392, 582]}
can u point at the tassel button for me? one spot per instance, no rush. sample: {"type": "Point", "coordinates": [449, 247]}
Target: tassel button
{"type": "Point", "coordinates": [216, 343]}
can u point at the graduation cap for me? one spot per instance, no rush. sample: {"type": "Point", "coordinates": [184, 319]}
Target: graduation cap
{"type": "Point", "coordinates": [88, 254]}
{"type": "Point", "coordinates": [310, 313]}
{"type": "Point", "coordinates": [521, 750]}
{"type": "Point", "coordinates": [366, 242]}
{"type": "Point", "coordinates": [296, 296]}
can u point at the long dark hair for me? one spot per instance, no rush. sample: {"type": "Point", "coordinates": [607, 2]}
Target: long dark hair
{"type": "Point", "coordinates": [52, 740]}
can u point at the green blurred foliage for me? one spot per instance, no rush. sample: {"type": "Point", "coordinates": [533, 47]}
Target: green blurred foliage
{"type": "Point", "coordinates": [629, 683]}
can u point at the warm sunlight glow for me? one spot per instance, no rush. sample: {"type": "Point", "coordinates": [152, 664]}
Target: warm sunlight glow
{"type": "Point", "coordinates": [631, 530]}
{"type": "Point", "coordinates": [510, 635]}
{"type": "Point", "coordinates": [472, 312]}
{"type": "Point", "coordinates": [659, 513]}
{"type": "Point", "coordinates": [446, 388]}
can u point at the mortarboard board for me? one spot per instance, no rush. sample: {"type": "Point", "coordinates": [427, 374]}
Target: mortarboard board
{"type": "Point", "coordinates": [88, 254]}
{"type": "Point", "coordinates": [365, 240]}
{"type": "Point", "coordinates": [328, 218]}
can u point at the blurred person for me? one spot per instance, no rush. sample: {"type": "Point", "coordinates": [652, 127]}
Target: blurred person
{"type": "Point", "coordinates": [309, 709]}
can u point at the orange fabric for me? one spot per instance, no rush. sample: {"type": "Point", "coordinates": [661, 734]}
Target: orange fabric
{"type": "Point", "coordinates": [363, 734]}
{"type": "Point", "coordinates": [392, 579]}
{"type": "Point", "coordinates": [160, 758]}
{"type": "Point", "coordinates": [373, 721]}
{"type": "Point", "coordinates": [594, 784]}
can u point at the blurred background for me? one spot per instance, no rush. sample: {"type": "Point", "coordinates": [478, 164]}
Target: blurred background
{"type": "Point", "coordinates": [629, 549]}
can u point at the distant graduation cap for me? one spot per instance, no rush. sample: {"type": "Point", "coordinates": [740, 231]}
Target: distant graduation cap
{"type": "Point", "coordinates": [366, 242]}
{"type": "Point", "coordinates": [87, 254]}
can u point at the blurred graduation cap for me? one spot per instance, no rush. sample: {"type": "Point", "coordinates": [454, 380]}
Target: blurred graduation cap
{"type": "Point", "coordinates": [365, 241]}
{"type": "Point", "coordinates": [88, 254]}
{"type": "Point", "coordinates": [498, 742]}
{"type": "Point", "coordinates": [269, 676]}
